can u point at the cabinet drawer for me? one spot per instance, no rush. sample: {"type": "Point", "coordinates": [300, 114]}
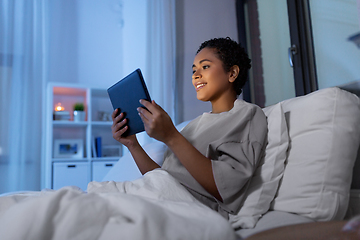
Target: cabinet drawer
{"type": "Point", "coordinates": [70, 174]}
{"type": "Point", "coordinates": [100, 169]}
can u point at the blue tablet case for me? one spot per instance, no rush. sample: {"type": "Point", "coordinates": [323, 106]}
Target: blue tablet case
{"type": "Point", "coordinates": [125, 95]}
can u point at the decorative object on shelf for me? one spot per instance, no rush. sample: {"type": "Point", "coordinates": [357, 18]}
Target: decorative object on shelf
{"type": "Point", "coordinates": [111, 151]}
{"type": "Point", "coordinates": [59, 108]}
{"type": "Point", "coordinates": [79, 113]}
{"type": "Point", "coordinates": [104, 116]}
{"type": "Point", "coordinates": [60, 114]}
{"type": "Point", "coordinates": [68, 148]}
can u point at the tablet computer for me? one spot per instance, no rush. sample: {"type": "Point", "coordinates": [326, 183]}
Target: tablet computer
{"type": "Point", "coordinates": [125, 95]}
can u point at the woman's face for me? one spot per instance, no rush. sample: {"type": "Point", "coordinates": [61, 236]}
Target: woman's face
{"type": "Point", "coordinates": [209, 78]}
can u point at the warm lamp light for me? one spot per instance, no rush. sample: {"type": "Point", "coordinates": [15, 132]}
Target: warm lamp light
{"type": "Point", "coordinates": [58, 107]}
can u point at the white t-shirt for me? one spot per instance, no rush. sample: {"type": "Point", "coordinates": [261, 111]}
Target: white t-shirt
{"type": "Point", "coordinates": [235, 142]}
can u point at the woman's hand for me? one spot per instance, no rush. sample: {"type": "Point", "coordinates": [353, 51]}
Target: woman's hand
{"type": "Point", "coordinates": [119, 127]}
{"type": "Point", "coordinates": [156, 121]}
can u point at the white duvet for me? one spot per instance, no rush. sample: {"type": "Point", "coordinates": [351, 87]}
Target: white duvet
{"type": "Point", "coordinates": [153, 207]}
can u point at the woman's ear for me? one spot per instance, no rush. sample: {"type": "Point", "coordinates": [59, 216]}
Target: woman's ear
{"type": "Point", "coordinates": [233, 73]}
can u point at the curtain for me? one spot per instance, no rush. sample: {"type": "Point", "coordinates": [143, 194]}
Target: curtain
{"type": "Point", "coordinates": [22, 84]}
{"type": "Point", "coordinates": [358, 7]}
{"type": "Point", "coordinates": [161, 56]}
{"type": "Point", "coordinates": [161, 47]}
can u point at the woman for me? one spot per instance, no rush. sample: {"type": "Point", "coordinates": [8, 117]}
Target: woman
{"type": "Point", "coordinates": [216, 154]}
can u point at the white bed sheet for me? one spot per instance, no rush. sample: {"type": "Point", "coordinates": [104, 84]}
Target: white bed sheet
{"type": "Point", "coordinates": [153, 207]}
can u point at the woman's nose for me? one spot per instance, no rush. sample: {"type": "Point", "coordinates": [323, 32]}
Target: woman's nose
{"type": "Point", "coordinates": [196, 75]}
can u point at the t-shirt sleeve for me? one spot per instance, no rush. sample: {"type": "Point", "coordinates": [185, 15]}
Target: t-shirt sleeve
{"type": "Point", "coordinates": [234, 161]}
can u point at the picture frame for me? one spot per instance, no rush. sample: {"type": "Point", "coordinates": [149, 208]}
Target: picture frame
{"type": "Point", "coordinates": [68, 148]}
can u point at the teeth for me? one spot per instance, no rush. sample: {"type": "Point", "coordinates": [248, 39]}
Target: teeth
{"type": "Point", "coordinates": [200, 85]}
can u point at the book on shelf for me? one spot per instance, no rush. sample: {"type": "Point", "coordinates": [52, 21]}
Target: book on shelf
{"type": "Point", "coordinates": [98, 147]}
{"type": "Point", "coordinates": [93, 147]}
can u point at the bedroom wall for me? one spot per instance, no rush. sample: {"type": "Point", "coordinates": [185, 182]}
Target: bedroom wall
{"type": "Point", "coordinates": [99, 37]}
{"type": "Point", "coordinates": [95, 43]}
{"type": "Point", "coordinates": [62, 44]}
{"type": "Point", "coordinates": [198, 21]}
{"type": "Point", "coordinates": [82, 50]}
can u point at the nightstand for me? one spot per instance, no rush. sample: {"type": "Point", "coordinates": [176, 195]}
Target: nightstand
{"type": "Point", "coordinates": [354, 204]}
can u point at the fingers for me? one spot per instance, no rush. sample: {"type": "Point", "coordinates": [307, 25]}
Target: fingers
{"type": "Point", "coordinates": [143, 118]}
{"type": "Point", "coordinates": [151, 109]}
{"type": "Point", "coordinates": [115, 113]}
{"type": "Point", "coordinates": [146, 103]}
{"type": "Point", "coordinates": [117, 135]}
{"type": "Point", "coordinates": [151, 106]}
{"type": "Point", "coordinates": [119, 126]}
{"type": "Point", "coordinates": [144, 114]}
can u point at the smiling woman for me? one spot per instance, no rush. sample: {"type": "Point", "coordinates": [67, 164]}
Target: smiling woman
{"type": "Point", "coordinates": [216, 154]}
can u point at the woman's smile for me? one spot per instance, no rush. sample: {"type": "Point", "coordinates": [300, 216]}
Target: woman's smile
{"type": "Point", "coordinates": [199, 85]}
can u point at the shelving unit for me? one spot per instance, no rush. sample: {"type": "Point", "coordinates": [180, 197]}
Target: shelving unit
{"type": "Point", "coordinates": [69, 155]}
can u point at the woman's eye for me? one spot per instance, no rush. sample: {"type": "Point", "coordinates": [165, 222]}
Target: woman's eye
{"type": "Point", "coordinates": [206, 67]}
{"type": "Point", "coordinates": [193, 71]}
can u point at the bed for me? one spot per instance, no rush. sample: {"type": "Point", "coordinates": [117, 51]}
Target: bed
{"type": "Point", "coordinates": [306, 175]}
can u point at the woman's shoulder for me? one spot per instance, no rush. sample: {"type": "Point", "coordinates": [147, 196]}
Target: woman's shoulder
{"type": "Point", "coordinates": [241, 112]}
{"type": "Point", "coordinates": [239, 103]}
{"type": "Point", "coordinates": [250, 114]}
{"type": "Point", "coordinates": [243, 107]}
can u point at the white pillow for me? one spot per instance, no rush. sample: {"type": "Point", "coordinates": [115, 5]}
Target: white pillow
{"type": "Point", "coordinates": [265, 181]}
{"type": "Point", "coordinates": [324, 135]}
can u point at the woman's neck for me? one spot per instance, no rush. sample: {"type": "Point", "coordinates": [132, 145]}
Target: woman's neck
{"type": "Point", "coordinates": [223, 105]}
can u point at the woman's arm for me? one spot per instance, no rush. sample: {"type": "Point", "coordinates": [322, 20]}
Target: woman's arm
{"type": "Point", "coordinates": [159, 126]}
{"type": "Point", "coordinates": [198, 165]}
{"type": "Point", "coordinates": [142, 160]}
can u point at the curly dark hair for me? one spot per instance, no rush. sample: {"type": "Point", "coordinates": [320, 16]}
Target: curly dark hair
{"type": "Point", "coordinates": [230, 53]}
